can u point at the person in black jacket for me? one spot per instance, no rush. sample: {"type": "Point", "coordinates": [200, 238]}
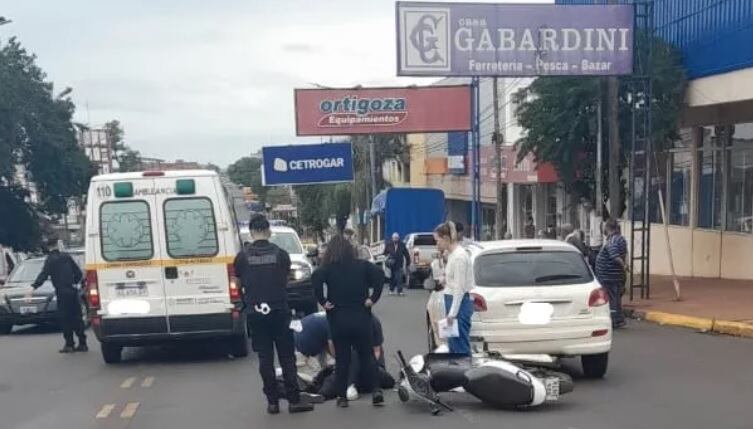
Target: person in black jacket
{"type": "Point", "coordinates": [65, 273]}
{"type": "Point", "coordinates": [263, 269]}
{"type": "Point", "coordinates": [396, 253]}
{"type": "Point", "coordinates": [353, 287]}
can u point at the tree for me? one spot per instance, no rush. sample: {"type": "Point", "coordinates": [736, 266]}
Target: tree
{"type": "Point", "coordinates": [559, 116]}
{"type": "Point", "coordinates": [127, 158]}
{"type": "Point", "coordinates": [247, 172]}
{"type": "Point", "coordinates": [36, 133]}
{"type": "Point", "coordinates": [318, 203]}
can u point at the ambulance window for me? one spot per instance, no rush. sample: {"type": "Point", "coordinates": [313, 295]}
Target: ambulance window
{"type": "Point", "coordinates": [190, 228]}
{"type": "Point", "coordinates": [126, 230]}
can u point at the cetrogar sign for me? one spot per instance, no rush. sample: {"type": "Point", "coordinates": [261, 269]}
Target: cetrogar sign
{"type": "Point", "coordinates": [305, 164]}
{"type": "Point", "coordinates": [382, 110]}
{"type": "Point", "coordinates": [474, 39]}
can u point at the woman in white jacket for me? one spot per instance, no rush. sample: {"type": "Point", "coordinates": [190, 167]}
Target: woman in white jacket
{"type": "Point", "coordinates": [458, 282]}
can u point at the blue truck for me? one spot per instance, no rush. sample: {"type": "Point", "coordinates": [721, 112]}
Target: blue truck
{"type": "Point", "coordinates": [413, 213]}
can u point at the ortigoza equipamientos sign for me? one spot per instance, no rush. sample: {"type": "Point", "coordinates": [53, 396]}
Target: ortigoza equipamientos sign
{"type": "Point", "coordinates": [382, 110]}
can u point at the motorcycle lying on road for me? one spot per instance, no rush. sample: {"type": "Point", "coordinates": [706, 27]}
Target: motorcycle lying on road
{"type": "Point", "coordinates": [496, 382]}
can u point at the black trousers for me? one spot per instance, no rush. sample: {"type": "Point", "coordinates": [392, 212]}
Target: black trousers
{"type": "Point", "coordinates": [352, 329]}
{"type": "Point", "coordinates": [270, 332]}
{"type": "Point", "coordinates": [71, 319]}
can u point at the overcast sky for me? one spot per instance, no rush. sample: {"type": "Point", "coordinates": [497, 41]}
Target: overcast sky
{"type": "Point", "coordinates": [201, 80]}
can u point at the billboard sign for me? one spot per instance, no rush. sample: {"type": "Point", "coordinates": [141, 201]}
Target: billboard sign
{"type": "Point", "coordinates": [478, 39]}
{"type": "Point", "coordinates": [307, 164]}
{"type": "Point", "coordinates": [327, 112]}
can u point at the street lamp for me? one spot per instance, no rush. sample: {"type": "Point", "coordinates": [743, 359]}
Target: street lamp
{"type": "Point", "coordinates": [4, 20]}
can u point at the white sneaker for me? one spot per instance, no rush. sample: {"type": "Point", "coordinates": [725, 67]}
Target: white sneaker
{"type": "Point", "coordinates": [392, 293]}
{"type": "Point", "coordinates": [352, 393]}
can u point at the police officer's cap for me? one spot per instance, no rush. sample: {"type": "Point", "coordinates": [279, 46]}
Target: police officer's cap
{"type": "Point", "coordinates": [258, 222]}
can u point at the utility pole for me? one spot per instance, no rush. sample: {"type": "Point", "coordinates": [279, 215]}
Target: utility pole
{"type": "Point", "coordinates": [498, 139]}
{"type": "Point", "coordinates": [599, 200]}
{"type": "Point", "coordinates": [613, 123]}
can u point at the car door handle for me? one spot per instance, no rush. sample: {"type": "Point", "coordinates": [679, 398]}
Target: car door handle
{"type": "Point", "coordinates": [171, 273]}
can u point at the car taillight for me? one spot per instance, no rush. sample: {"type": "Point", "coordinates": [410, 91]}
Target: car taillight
{"type": "Point", "coordinates": [598, 298]}
{"type": "Point", "coordinates": [92, 289]}
{"type": "Point", "coordinates": [234, 289]}
{"type": "Point", "coordinates": [479, 303]}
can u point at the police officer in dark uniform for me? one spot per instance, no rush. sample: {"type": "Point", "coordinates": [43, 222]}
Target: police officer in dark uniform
{"type": "Point", "coordinates": [65, 273]}
{"type": "Point", "coordinates": [264, 269]}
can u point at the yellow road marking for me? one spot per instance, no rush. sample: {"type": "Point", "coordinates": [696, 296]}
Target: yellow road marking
{"type": "Point", "coordinates": [105, 411]}
{"type": "Point", "coordinates": [129, 410]}
{"type": "Point", "coordinates": [148, 382]}
{"type": "Point", "coordinates": [128, 383]}
{"type": "Point", "coordinates": [162, 263]}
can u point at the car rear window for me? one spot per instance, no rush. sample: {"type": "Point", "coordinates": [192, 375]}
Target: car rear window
{"type": "Point", "coordinates": [287, 241]}
{"type": "Point", "coordinates": [190, 228]}
{"type": "Point", "coordinates": [126, 230]}
{"type": "Point", "coordinates": [424, 240]}
{"type": "Point", "coordinates": [534, 268]}
{"type": "Point", "coordinates": [27, 271]}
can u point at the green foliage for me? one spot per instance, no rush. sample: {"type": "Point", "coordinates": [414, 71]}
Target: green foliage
{"type": "Point", "coordinates": [127, 158]}
{"type": "Point", "coordinates": [559, 116]}
{"type": "Point", "coordinates": [247, 172]}
{"type": "Point", "coordinates": [36, 132]}
{"type": "Point", "coordinates": [317, 203]}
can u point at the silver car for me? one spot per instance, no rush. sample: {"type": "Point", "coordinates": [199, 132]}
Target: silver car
{"type": "Point", "coordinates": [18, 309]}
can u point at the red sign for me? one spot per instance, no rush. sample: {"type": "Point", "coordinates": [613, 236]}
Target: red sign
{"type": "Point", "coordinates": [327, 112]}
{"type": "Point", "coordinates": [523, 172]}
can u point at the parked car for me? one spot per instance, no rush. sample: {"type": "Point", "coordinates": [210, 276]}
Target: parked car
{"type": "Point", "coordinates": [510, 273]}
{"type": "Point", "coordinates": [300, 291]}
{"type": "Point", "coordinates": [41, 308]}
{"type": "Point", "coordinates": [421, 247]}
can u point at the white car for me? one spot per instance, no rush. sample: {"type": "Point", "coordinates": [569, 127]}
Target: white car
{"type": "Point", "coordinates": [510, 273]}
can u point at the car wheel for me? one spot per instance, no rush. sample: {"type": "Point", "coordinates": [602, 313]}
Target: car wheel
{"type": "Point", "coordinates": [594, 366]}
{"type": "Point", "coordinates": [239, 346]}
{"type": "Point", "coordinates": [430, 334]}
{"type": "Point", "coordinates": [5, 329]}
{"type": "Point", "coordinates": [112, 353]}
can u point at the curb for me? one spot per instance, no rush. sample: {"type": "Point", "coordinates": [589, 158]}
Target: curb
{"type": "Point", "coordinates": [726, 327]}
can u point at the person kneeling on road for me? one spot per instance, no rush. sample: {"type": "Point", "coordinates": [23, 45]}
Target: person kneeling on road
{"type": "Point", "coordinates": [315, 340]}
{"type": "Point", "coordinates": [264, 269]}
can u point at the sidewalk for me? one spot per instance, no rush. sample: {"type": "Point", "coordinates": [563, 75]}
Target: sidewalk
{"type": "Point", "coordinates": [716, 305]}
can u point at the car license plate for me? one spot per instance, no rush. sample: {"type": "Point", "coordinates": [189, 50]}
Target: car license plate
{"type": "Point", "coordinates": [28, 309]}
{"type": "Point", "coordinates": [552, 385]}
{"type": "Point", "coordinates": [131, 291]}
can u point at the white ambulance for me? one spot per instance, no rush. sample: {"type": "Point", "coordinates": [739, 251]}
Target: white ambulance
{"type": "Point", "coordinates": [159, 261]}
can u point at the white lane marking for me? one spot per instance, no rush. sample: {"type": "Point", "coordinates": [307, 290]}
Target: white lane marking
{"type": "Point", "coordinates": [128, 382]}
{"type": "Point", "coordinates": [148, 382]}
{"type": "Point", "coordinates": [105, 411]}
{"type": "Point", "coordinates": [129, 410]}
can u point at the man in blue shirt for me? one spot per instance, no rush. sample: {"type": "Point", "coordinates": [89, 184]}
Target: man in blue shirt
{"type": "Point", "coordinates": [610, 270]}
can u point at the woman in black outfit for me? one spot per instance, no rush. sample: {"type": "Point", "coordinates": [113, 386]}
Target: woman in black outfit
{"type": "Point", "coordinates": [353, 286]}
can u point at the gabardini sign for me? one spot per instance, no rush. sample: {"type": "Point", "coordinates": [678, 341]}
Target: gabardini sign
{"type": "Point", "coordinates": [382, 110]}
{"type": "Point", "coordinates": [474, 39]}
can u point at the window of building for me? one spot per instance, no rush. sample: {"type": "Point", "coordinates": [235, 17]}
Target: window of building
{"type": "Point", "coordinates": [740, 179]}
{"type": "Point", "coordinates": [710, 180]}
{"type": "Point", "coordinates": [679, 204]}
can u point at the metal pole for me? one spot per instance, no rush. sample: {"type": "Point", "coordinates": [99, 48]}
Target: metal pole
{"type": "Point", "coordinates": [498, 139]}
{"type": "Point", "coordinates": [372, 165]}
{"type": "Point", "coordinates": [475, 215]}
{"type": "Point", "coordinates": [599, 163]}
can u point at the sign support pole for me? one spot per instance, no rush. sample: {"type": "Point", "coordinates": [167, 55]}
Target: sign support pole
{"type": "Point", "coordinates": [476, 160]}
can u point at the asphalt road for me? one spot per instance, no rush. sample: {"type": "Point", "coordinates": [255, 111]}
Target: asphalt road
{"type": "Point", "coordinates": [659, 378]}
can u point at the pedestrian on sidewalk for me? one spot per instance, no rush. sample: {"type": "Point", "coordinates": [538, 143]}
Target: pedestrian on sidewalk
{"type": "Point", "coordinates": [572, 236]}
{"type": "Point", "coordinates": [595, 236]}
{"type": "Point", "coordinates": [397, 260]}
{"type": "Point", "coordinates": [263, 269]}
{"type": "Point", "coordinates": [611, 268]}
{"type": "Point", "coordinates": [353, 287]}
{"type": "Point", "coordinates": [65, 273]}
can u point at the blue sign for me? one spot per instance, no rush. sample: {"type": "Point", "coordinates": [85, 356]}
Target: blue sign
{"type": "Point", "coordinates": [307, 164]}
{"type": "Point", "coordinates": [457, 149]}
